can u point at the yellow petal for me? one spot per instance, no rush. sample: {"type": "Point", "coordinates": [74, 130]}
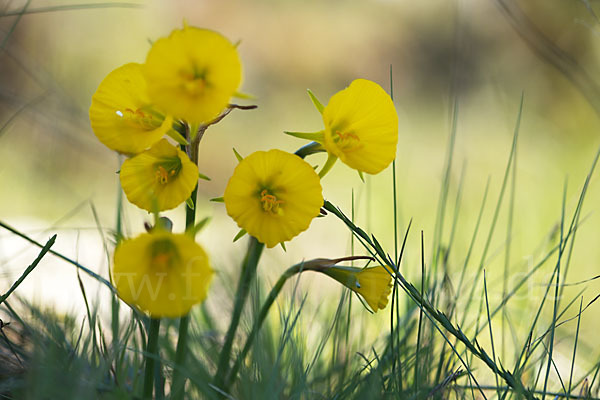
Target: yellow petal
{"type": "Point", "coordinates": [273, 195]}
{"type": "Point", "coordinates": [161, 273]}
{"type": "Point", "coordinates": [121, 114]}
{"type": "Point", "coordinates": [160, 178]}
{"type": "Point", "coordinates": [372, 284]}
{"type": "Point", "coordinates": [193, 73]}
{"type": "Point", "coordinates": [361, 127]}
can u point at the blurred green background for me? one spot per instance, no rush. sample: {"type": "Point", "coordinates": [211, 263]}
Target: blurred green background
{"type": "Point", "coordinates": [483, 55]}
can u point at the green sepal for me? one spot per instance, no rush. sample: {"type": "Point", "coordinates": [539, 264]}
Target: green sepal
{"type": "Point", "coordinates": [190, 203]}
{"type": "Point", "coordinates": [315, 101]}
{"type": "Point", "coordinates": [178, 137]}
{"type": "Point", "coordinates": [244, 96]}
{"type": "Point", "coordinates": [193, 230]}
{"type": "Point", "coordinates": [203, 177]}
{"type": "Point", "coordinates": [194, 130]}
{"type": "Point", "coordinates": [283, 246]}
{"type": "Point", "coordinates": [331, 159]}
{"type": "Point", "coordinates": [218, 200]}
{"type": "Point", "coordinates": [239, 235]}
{"type": "Point", "coordinates": [314, 136]}
{"type": "Point", "coordinates": [236, 44]}
{"type": "Point", "coordinates": [362, 177]}
{"type": "Point", "coordinates": [237, 155]}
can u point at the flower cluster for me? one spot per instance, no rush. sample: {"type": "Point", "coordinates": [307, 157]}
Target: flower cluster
{"type": "Point", "coordinates": [185, 85]}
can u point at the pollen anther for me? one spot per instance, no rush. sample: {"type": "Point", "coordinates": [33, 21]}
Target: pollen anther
{"type": "Point", "coordinates": [270, 202]}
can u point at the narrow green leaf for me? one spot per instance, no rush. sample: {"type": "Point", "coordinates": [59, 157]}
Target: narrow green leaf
{"type": "Point", "coordinates": [203, 177]}
{"type": "Point", "coordinates": [361, 175]}
{"type": "Point", "coordinates": [283, 246]}
{"type": "Point", "coordinates": [315, 101]}
{"type": "Point", "coordinates": [178, 137]}
{"type": "Point", "coordinates": [190, 203]}
{"type": "Point", "coordinates": [193, 230]}
{"type": "Point", "coordinates": [237, 155]}
{"type": "Point", "coordinates": [314, 136]}
{"type": "Point", "coordinates": [244, 96]}
{"type": "Point", "coordinates": [239, 235]}
{"type": "Point", "coordinates": [331, 159]}
{"type": "Point", "coordinates": [218, 200]}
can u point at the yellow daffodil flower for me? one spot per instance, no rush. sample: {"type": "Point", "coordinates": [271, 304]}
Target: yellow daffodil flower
{"type": "Point", "coordinates": [121, 114]}
{"type": "Point", "coordinates": [273, 195]}
{"type": "Point", "coordinates": [193, 73]}
{"type": "Point", "coordinates": [372, 284]}
{"type": "Point", "coordinates": [161, 273]}
{"type": "Point", "coordinates": [159, 178]}
{"type": "Point", "coordinates": [361, 127]}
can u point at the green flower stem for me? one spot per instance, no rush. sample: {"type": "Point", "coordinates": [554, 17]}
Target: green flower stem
{"type": "Point", "coordinates": [250, 264]}
{"type": "Point", "coordinates": [316, 265]}
{"type": "Point", "coordinates": [178, 384]}
{"type": "Point", "coordinates": [311, 148]}
{"type": "Point", "coordinates": [151, 356]}
{"type": "Point", "coordinates": [264, 311]}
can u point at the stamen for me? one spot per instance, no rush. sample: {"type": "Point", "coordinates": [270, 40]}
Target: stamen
{"type": "Point", "coordinates": [347, 141]}
{"type": "Point", "coordinates": [138, 118]}
{"type": "Point", "coordinates": [270, 203]}
{"type": "Point", "coordinates": [162, 176]}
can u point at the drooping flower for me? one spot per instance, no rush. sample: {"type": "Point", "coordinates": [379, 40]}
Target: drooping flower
{"type": "Point", "coordinates": [373, 284]}
{"type": "Point", "coordinates": [273, 195]}
{"type": "Point", "coordinates": [161, 273]}
{"type": "Point", "coordinates": [159, 178]}
{"type": "Point", "coordinates": [361, 127]}
{"type": "Point", "coordinates": [193, 73]}
{"type": "Point", "coordinates": [121, 114]}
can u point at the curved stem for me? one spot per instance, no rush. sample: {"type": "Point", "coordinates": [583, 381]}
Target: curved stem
{"type": "Point", "coordinates": [178, 383]}
{"type": "Point", "coordinates": [264, 311]}
{"type": "Point", "coordinates": [151, 355]}
{"type": "Point", "coordinates": [255, 249]}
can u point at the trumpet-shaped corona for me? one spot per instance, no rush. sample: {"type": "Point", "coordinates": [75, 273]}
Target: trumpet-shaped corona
{"type": "Point", "coordinates": [273, 195]}
{"type": "Point", "coordinates": [159, 178]}
{"type": "Point", "coordinates": [193, 73]}
{"type": "Point", "coordinates": [121, 114]}
{"type": "Point", "coordinates": [161, 273]}
{"type": "Point", "coordinates": [372, 284]}
{"type": "Point", "coordinates": [361, 127]}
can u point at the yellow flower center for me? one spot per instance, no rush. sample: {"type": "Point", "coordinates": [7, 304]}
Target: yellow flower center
{"type": "Point", "coordinates": [163, 255]}
{"type": "Point", "coordinates": [270, 203]}
{"type": "Point", "coordinates": [139, 118]}
{"type": "Point", "coordinates": [346, 141]}
{"type": "Point", "coordinates": [194, 83]}
{"type": "Point", "coordinates": [167, 170]}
